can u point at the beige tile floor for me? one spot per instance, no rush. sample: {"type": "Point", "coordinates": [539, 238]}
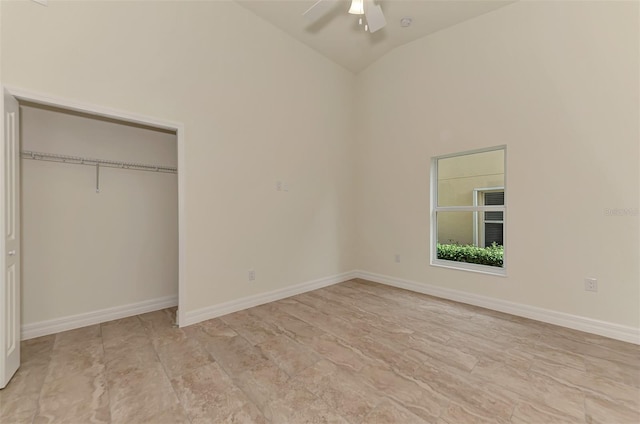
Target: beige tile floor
{"type": "Point", "coordinates": [356, 352]}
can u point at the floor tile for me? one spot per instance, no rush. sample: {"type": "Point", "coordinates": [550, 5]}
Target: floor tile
{"type": "Point", "coordinates": [390, 412]}
{"type": "Point", "coordinates": [208, 395]}
{"type": "Point", "coordinates": [179, 358]}
{"type": "Point", "coordinates": [355, 353]}
{"type": "Point", "coordinates": [288, 354]}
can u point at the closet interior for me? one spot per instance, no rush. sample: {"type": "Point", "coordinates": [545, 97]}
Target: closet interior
{"type": "Point", "coordinates": [99, 214]}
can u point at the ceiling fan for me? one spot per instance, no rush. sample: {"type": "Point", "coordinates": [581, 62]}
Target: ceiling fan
{"type": "Point", "coordinates": [372, 13]}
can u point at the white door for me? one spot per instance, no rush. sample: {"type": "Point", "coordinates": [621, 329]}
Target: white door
{"type": "Point", "coordinates": [10, 246]}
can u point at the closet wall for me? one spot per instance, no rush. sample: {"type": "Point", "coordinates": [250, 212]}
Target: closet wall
{"type": "Point", "coordinates": [85, 251]}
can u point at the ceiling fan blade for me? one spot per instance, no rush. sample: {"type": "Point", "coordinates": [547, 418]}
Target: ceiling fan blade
{"type": "Point", "coordinates": [318, 9]}
{"type": "Point", "coordinates": [375, 17]}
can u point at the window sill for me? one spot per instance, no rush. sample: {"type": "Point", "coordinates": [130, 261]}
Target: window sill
{"type": "Point", "coordinates": [464, 266]}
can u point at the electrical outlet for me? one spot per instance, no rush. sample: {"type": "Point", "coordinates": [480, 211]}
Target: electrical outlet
{"type": "Point", "coordinates": [252, 275]}
{"type": "Point", "coordinates": [591, 284]}
{"type": "Point", "coordinates": [279, 185]}
{"type": "Point", "coordinates": [397, 258]}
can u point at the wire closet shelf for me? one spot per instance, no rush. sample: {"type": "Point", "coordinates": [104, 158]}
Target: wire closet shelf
{"type": "Point", "coordinates": [77, 160]}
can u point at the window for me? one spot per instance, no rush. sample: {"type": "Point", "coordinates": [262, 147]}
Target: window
{"type": "Point", "coordinates": [468, 210]}
{"type": "Point", "coordinates": [490, 224]}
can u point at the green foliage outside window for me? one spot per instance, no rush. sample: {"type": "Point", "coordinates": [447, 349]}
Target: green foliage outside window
{"type": "Point", "coordinates": [492, 255]}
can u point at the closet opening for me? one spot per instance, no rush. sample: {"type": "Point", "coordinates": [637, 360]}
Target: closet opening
{"type": "Point", "coordinates": [99, 217]}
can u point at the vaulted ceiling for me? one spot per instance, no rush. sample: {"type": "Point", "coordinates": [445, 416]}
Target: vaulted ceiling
{"type": "Point", "coordinates": [338, 36]}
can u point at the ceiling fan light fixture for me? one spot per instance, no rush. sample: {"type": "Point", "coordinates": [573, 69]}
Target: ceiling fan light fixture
{"type": "Point", "coordinates": [357, 7]}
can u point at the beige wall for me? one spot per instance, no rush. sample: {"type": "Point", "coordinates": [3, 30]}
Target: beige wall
{"type": "Point", "coordinates": [557, 83]}
{"type": "Point", "coordinates": [257, 107]}
{"type": "Point", "coordinates": [457, 178]}
{"type": "Point", "coordinates": [84, 251]}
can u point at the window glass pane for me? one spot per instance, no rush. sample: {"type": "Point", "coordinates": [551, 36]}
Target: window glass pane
{"type": "Point", "coordinates": [455, 227]}
{"type": "Point", "coordinates": [492, 198]}
{"type": "Point", "coordinates": [493, 233]}
{"type": "Point", "coordinates": [456, 240]}
{"type": "Point", "coordinates": [493, 216]}
{"type": "Point", "coordinates": [458, 176]}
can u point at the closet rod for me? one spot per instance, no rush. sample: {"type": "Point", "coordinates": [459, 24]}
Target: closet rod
{"type": "Point", "coordinates": [50, 157]}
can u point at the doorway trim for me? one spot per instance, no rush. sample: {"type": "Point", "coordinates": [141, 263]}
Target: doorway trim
{"type": "Point", "coordinates": [106, 112]}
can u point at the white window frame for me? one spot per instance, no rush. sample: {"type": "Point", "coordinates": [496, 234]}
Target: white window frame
{"type": "Point", "coordinates": [435, 209]}
{"type": "Point", "coordinates": [478, 231]}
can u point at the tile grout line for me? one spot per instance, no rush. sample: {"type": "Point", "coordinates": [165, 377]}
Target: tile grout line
{"type": "Point", "coordinates": [339, 367]}
{"type": "Point", "coordinates": [290, 377]}
{"type": "Point", "coordinates": [164, 369]}
{"type": "Point", "coordinates": [228, 372]}
{"type": "Point", "coordinates": [106, 376]}
{"type": "Point", "coordinates": [391, 367]}
{"type": "Point", "coordinates": [36, 413]}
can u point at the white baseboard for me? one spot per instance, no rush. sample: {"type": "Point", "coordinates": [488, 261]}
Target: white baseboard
{"type": "Point", "coordinates": [588, 325]}
{"type": "Point", "coordinates": [209, 312]}
{"type": "Point", "coordinates": [44, 328]}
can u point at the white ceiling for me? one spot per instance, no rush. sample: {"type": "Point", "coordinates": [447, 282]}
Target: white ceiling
{"type": "Point", "coordinates": [337, 34]}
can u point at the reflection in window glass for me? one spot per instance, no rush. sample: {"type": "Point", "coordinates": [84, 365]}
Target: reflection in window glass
{"type": "Point", "coordinates": [469, 209]}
